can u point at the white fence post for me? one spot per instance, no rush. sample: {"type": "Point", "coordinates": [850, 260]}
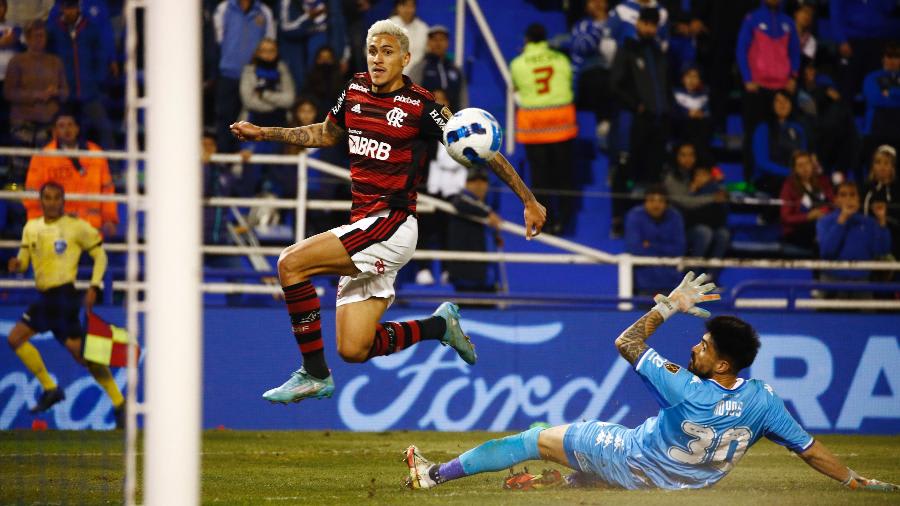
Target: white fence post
{"type": "Point", "coordinates": [626, 286]}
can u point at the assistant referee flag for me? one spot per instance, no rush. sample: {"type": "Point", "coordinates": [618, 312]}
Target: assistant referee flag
{"type": "Point", "coordinates": [106, 344]}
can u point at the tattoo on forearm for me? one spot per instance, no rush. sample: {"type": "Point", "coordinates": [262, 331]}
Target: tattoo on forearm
{"type": "Point", "coordinates": [309, 136]}
{"type": "Point", "coordinates": [501, 166]}
{"type": "Point", "coordinates": [298, 136]}
{"type": "Point", "coordinates": [631, 343]}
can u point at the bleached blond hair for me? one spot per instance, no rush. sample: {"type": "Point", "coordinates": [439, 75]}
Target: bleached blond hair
{"type": "Point", "coordinates": [388, 27]}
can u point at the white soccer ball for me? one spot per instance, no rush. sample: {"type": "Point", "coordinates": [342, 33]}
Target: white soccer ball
{"type": "Point", "coordinates": [472, 136]}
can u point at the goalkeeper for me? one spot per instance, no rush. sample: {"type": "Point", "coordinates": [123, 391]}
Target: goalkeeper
{"type": "Point", "coordinates": [709, 418]}
{"type": "Point", "coordinates": [53, 244]}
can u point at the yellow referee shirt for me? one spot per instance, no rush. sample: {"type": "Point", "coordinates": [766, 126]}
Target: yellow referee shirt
{"type": "Point", "coordinates": [55, 248]}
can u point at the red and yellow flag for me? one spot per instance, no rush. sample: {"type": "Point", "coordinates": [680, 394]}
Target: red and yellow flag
{"type": "Point", "coordinates": [106, 344]}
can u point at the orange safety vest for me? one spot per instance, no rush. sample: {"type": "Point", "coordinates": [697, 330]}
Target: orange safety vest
{"type": "Point", "coordinates": [543, 125]}
{"type": "Point", "coordinates": [94, 178]}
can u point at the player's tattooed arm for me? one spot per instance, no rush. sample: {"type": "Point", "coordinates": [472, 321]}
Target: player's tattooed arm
{"type": "Point", "coordinates": [631, 343]}
{"type": "Point", "coordinates": [535, 214]}
{"type": "Point", "coordinates": [310, 136]}
{"type": "Point", "coordinates": [501, 166]}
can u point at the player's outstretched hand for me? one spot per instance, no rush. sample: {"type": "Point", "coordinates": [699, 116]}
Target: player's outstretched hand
{"type": "Point", "coordinates": [246, 131]}
{"type": "Point", "coordinates": [535, 216]}
{"type": "Point", "coordinates": [684, 298]}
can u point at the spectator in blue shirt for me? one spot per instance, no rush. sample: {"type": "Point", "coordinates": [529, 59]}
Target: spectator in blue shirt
{"type": "Point", "coordinates": [881, 91]}
{"type": "Point", "coordinates": [80, 44]}
{"type": "Point", "coordinates": [862, 28]}
{"type": "Point", "coordinates": [654, 229]}
{"type": "Point", "coordinates": [97, 12]}
{"type": "Point", "coordinates": [240, 26]}
{"type": "Point", "coordinates": [774, 143]}
{"type": "Point", "coordinates": [848, 234]}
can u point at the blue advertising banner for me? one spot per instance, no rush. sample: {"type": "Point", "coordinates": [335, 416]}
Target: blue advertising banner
{"type": "Point", "coordinates": [836, 373]}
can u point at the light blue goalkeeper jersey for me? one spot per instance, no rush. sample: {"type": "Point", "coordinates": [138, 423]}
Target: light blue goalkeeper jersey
{"type": "Point", "coordinates": [703, 428]}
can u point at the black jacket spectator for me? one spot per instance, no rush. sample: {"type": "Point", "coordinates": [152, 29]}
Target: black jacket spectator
{"type": "Point", "coordinates": [639, 77]}
{"type": "Point", "coordinates": [437, 72]}
{"type": "Point", "coordinates": [467, 235]}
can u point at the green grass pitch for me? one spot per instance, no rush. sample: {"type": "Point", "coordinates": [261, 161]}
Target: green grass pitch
{"type": "Point", "coordinates": [316, 467]}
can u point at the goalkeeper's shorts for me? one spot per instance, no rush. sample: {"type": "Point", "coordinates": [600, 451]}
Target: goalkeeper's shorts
{"type": "Point", "coordinates": [379, 245]}
{"type": "Point", "coordinates": [601, 449]}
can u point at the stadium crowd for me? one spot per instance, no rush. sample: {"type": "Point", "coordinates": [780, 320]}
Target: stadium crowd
{"type": "Point", "coordinates": [803, 94]}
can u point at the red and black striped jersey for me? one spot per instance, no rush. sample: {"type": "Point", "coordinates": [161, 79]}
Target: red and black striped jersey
{"type": "Point", "coordinates": [387, 136]}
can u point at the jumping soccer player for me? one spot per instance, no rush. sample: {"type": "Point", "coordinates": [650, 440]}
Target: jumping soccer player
{"type": "Point", "coordinates": [709, 417]}
{"type": "Point", "coordinates": [388, 122]}
{"type": "Point", "coordinates": [53, 244]}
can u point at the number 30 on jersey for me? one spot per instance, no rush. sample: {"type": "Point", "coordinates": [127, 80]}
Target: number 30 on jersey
{"type": "Point", "coordinates": [706, 447]}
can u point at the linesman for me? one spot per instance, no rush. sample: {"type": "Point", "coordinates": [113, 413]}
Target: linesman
{"type": "Point", "coordinates": [53, 244]}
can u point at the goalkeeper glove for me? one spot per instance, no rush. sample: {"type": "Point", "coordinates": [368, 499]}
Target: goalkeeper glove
{"type": "Point", "coordinates": [857, 482]}
{"type": "Point", "coordinates": [685, 296]}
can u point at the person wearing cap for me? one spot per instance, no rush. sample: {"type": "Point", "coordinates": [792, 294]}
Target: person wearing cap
{"type": "Point", "coordinates": [639, 84]}
{"type": "Point", "coordinates": [545, 120]}
{"type": "Point", "coordinates": [435, 71]}
{"type": "Point", "coordinates": [881, 91]}
{"type": "Point", "coordinates": [467, 235]}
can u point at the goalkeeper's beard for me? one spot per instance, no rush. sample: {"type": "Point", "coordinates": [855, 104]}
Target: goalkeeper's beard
{"type": "Point", "coordinates": [693, 369]}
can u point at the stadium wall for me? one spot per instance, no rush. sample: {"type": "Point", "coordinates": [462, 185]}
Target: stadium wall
{"type": "Point", "coordinates": [836, 372]}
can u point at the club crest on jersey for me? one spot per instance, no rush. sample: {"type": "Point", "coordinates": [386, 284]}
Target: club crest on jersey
{"type": "Point", "coordinates": [672, 368]}
{"type": "Point", "coordinates": [59, 246]}
{"type": "Point", "coordinates": [407, 100]}
{"type": "Point", "coordinates": [395, 117]}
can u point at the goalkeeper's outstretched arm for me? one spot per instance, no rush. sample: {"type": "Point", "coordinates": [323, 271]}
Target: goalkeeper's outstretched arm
{"type": "Point", "coordinates": [822, 460]}
{"type": "Point", "coordinates": [684, 298]}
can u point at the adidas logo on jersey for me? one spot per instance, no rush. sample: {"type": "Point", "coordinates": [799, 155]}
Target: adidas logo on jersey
{"type": "Point", "coordinates": [356, 108]}
{"type": "Point", "coordinates": [407, 100]}
{"type": "Point", "coordinates": [371, 148]}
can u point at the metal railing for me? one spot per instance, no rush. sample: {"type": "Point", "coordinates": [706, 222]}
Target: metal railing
{"type": "Point", "coordinates": [575, 253]}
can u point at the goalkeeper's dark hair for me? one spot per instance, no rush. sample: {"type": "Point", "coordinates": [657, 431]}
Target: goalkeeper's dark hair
{"type": "Point", "coordinates": [735, 340]}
